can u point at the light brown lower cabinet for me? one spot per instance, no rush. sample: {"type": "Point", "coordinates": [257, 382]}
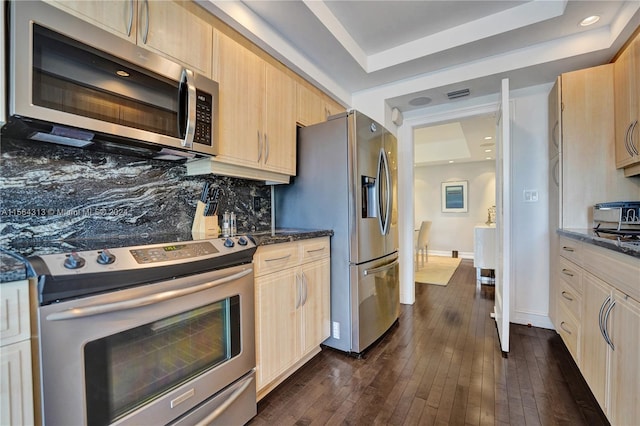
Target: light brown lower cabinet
{"type": "Point", "coordinates": [598, 318]}
{"type": "Point", "coordinates": [292, 283]}
{"type": "Point", "coordinates": [16, 392]}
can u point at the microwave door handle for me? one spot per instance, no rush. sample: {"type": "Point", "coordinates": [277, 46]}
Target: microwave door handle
{"type": "Point", "coordinates": [187, 108]}
{"type": "Point", "coordinates": [121, 305]}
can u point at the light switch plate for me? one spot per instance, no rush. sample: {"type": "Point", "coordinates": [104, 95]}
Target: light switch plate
{"type": "Point", "coordinates": [530, 195]}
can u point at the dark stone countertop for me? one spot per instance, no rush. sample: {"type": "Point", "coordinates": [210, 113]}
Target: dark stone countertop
{"type": "Point", "coordinates": [610, 242]}
{"type": "Point", "coordinates": [14, 267]}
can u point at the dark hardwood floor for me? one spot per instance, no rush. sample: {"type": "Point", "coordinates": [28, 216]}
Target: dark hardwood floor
{"type": "Point", "coordinates": [440, 364]}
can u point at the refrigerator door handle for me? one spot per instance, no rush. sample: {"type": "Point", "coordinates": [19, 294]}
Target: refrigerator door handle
{"type": "Point", "coordinates": [380, 268]}
{"type": "Point", "coordinates": [384, 193]}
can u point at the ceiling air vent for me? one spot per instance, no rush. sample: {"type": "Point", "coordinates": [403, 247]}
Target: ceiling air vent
{"type": "Point", "coordinates": [458, 94]}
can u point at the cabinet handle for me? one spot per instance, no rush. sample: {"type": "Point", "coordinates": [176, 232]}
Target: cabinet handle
{"type": "Point", "coordinates": [259, 147]}
{"type": "Point", "coordinates": [298, 291]}
{"type": "Point", "coordinates": [315, 250]}
{"type": "Point", "coordinates": [600, 318]}
{"type": "Point", "coordinates": [631, 142]}
{"type": "Point", "coordinates": [564, 328]}
{"type": "Point", "coordinates": [278, 258]}
{"type": "Point", "coordinates": [130, 22]}
{"type": "Point", "coordinates": [605, 325]}
{"type": "Point", "coordinates": [266, 148]}
{"type": "Point", "coordinates": [627, 140]}
{"type": "Point", "coordinates": [306, 288]}
{"type": "Point", "coordinates": [567, 272]}
{"type": "Point", "coordinates": [145, 35]}
{"type": "Point", "coordinates": [556, 173]}
{"type": "Point", "coordinates": [565, 248]}
{"type": "Point", "coordinates": [554, 137]}
{"type": "Point", "coordinates": [567, 296]}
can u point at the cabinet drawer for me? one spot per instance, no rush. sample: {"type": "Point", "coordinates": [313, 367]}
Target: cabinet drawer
{"type": "Point", "coordinates": [14, 312]}
{"type": "Point", "coordinates": [616, 269]}
{"type": "Point", "coordinates": [570, 249]}
{"type": "Point", "coordinates": [276, 257]}
{"type": "Point", "coordinates": [571, 273]}
{"type": "Point", "coordinates": [568, 297]}
{"type": "Point", "coordinates": [316, 248]}
{"type": "Point", "coordinates": [568, 329]}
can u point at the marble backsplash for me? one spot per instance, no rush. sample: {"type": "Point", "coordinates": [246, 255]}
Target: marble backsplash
{"type": "Point", "coordinates": [51, 193]}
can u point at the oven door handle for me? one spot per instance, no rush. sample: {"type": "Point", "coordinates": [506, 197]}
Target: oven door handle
{"type": "Point", "coordinates": [121, 305]}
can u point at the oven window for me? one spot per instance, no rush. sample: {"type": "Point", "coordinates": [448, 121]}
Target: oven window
{"type": "Point", "coordinates": [127, 370]}
{"type": "Point", "coordinates": [71, 77]}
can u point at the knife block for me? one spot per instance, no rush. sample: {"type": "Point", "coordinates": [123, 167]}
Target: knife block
{"type": "Point", "coordinates": [204, 226]}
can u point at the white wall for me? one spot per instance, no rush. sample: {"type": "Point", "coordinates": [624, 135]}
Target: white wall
{"type": "Point", "coordinates": [530, 222]}
{"type": "Point", "coordinates": [453, 231]}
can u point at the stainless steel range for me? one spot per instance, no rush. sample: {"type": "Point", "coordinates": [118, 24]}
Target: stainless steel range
{"type": "Point", "coordinates": [155, 334]}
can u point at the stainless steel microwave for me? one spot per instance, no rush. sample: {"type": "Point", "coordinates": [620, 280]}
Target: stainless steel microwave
{"type": "Point", "coordinates": [74, 84]}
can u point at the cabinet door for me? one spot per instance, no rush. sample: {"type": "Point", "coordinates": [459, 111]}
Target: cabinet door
{"type": "Point", "coordinates": [277, 322]}
{"type": "Point", "coordinates": [593, 359]}
{"type": "Point", "coordinates": [332, 107]}
{"type": "Point", "coordinates": [241, 87]}
{"type": "Point", "coordinates": [115, 16]}
{"type": "Point", "coordinates": [16, 395]}
{"type": "Point", "coordinates": [316, 315]}
{"type": "Point", "coordinates": [310, 107]}
{"type": "Point", "coordinates": [625, 380]}
{"type": "Point", "coordinates": [587, 144]}
{"type": "Point", "coordinates": [627, 95]}
{"type": "Point", "coordinates": [279, 123]}
{"type": "Point", "coordinates": [168, 28]}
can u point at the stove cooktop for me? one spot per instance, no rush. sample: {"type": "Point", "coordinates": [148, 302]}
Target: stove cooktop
{"type": "Point", "coordinates": [80, 273]}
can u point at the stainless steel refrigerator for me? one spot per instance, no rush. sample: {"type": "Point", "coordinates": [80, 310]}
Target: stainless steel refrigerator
{"type": "Point", "coordinates": [347, 181]}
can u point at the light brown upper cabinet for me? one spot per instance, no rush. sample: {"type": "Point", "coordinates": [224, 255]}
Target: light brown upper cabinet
{"type": "Point", "coordinates": [165, 27]}
{"type": "Point", "coordinates": [312, 107]}
{"type": "Point", "coordinates": [257, 116]}
{"type": "Point", "coordinates": [627, 108]}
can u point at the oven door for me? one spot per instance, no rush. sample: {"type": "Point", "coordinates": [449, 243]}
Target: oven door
{"type": "Point", "coordinates": [149, 354]}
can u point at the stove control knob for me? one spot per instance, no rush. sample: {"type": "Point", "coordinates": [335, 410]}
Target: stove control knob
{"type": "Point", "coordinates": [106, 257]}
{"type": "Point", "coordinates": [229, 243]}
{"type": "Point", "coordinates": [74, 261]}
{"type": "Point", "coordinates": [242, 241]}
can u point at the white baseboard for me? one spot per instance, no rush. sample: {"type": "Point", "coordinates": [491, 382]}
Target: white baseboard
{"type": "Point", "coordinates": [532, 318]}
{"type": "Point", "coordinates": [461, 254]}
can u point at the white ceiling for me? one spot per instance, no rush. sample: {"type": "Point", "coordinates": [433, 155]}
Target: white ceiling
{"type": "Point", "coordinates": [426, 48]}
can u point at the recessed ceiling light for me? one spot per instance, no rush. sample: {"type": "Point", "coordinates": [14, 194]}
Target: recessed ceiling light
{"type": "Point", "coordinates": [487, 150]}
{"type": "Point", "coordinates": [419, 101]}
{"type": "Point", "coordinates": [450, 161]}
{"type": "Point", "coordinates": [487, 158]}
{"type": "Point", "coordinates": [589, 20]}
{"type": "Point", "coordinates": [487, 144]}
{"type": "Point", "coordinates": [487, 138]}
{"type": "Point", "coordinates": [122, 73]}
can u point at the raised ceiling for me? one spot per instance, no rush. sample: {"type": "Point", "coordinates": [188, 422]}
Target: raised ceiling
{"type": "Point", "coordinates": [410, 49]}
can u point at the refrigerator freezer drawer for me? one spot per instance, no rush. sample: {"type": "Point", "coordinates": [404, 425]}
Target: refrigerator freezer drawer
{"type": "Point", "coordinates": [375, 300]}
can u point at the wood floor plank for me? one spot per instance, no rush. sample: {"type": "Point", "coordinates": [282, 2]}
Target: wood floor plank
{"type": "Point", "coordinates": [440, 365]}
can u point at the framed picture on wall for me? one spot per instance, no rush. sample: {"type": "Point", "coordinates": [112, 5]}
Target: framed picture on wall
{"type": "Point", "coordinates": [454, 197]}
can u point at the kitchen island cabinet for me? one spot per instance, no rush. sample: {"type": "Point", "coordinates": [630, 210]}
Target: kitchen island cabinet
{"type": "Point", "coordinates": [292, 307]}
{"type": "Point", "coordinates": [598, 318]}
{"type": "Point", "coordinates": [627, 108]}
{"type": "Point", "coordinates": [16, 396]}
{"type": "Point", "coordinates": [170, 28]}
